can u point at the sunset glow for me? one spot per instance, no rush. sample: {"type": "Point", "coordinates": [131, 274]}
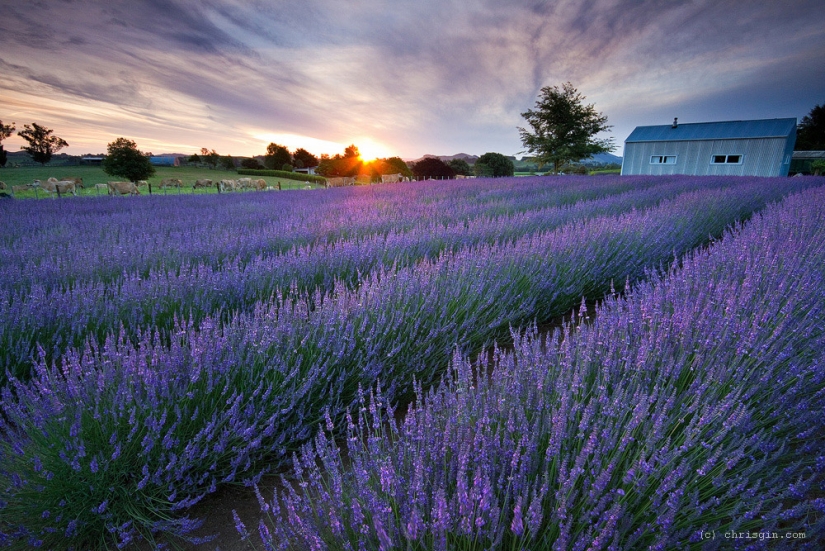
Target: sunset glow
{"type": "Point", "coordinates": [371, 150]}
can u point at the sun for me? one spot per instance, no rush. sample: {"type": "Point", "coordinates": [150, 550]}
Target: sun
{"type": "Point", "coordinates": [371, 150]}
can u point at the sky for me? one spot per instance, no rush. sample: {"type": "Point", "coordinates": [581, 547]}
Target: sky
{"type": "Point", "coordinates": [396, 78]}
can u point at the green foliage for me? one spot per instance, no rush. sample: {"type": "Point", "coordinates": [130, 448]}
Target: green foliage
{"type": "Point", "coordinates": [283, 174]}
{"type": "Point", "coordinates": [494, 165]}
{"type": "Point", "coordinates": [393, 165]}
{"type": "Point", "coordinates": [432, 167]}
{"type": "Point", "coordinates": [125, 160]}
{"type": "Point", "coordinates": [350, 164]}
{"type": "Point", "coordinates": [6, 130]}
{"type": "Point", "coordinates": [573, 168]}
{"type": "Point", "coordinates": [277, 156]}
{"type": "Point", "coordinates": [227, 163]}
{"type": "Point", "coordinates": [460, 166]}
{"type": "Point", "coordinates": [253, 164]}
{"type": "Point", "coordinates": [303, 158]}
{"type": "Point", "coordinates": [194, 158]}
{"type": "Point", "coordinates": [351, 151]}
{"type": "Point", "coordinates": [562, 128]}
{"type": "Point", "coordinates": [398, 166]}
{"type": "Point", "coordinates": [287, 167]}
{"type": "Point", "coordinates": [810, 134]}
{"type": "Point", "coordinates": [818, 167]}
{"type": "Point", "coordinates": [211, 158]}
{"type": "Point", "coordinates": [42, 145]}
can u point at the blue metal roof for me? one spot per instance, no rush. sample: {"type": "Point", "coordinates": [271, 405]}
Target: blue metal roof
{"type": "Point", "coordinates": [726, 130]}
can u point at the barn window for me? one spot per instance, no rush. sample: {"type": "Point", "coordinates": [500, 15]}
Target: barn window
{"type": "Point", "coordinates": [726, 160]}
{"type": "Point", "coordinates": [663, 160]}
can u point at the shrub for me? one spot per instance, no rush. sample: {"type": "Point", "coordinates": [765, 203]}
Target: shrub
{"type": "Point", "coordinates": [284, 174]}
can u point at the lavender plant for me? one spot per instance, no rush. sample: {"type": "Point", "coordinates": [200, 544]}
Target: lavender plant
{"type": "Point", "coordinates": [58, 317]}
{"type": "Point", "coordinates": [165, 423]}
{"type": "Point", "coordinates": [58, 300]}
{"type": "Point", "coordinates": [683, 414]}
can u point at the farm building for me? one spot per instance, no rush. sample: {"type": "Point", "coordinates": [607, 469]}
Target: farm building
{"type": "Point", "coordinates": [165, 160]}
{"type": "Point", "coordinates": [737, 148]}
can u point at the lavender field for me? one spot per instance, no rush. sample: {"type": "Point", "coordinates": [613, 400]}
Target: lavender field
{"type": "Point", "coordinates": [156, 349]}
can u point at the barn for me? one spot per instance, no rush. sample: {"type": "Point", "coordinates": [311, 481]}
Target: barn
{"type": "Point", "coordinates": [165, 160]}
{"type": "Point", "coordinates": [738, 148]}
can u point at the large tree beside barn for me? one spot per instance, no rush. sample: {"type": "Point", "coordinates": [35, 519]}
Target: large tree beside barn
{"type": "Point", "coordinates": [562, 128]}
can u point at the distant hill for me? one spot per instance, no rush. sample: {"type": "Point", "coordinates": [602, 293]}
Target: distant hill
{"type": "Point", "coordinates": [471, 159]}
{"type": "Point", "coordinates": [602, 159]}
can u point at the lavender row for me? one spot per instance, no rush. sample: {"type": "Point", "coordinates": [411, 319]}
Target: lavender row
{"type": "Point", "coordinates": [121, 439]}
{"type": "Point", "coordinates": [690, 409]}
{"type": "Point", "coordinates": [97, 240]}
{"type": "Point", "coordinates": [61, 318]}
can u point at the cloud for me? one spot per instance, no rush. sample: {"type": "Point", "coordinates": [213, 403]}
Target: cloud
{"type": "Point", "coordinates": [426, 76]}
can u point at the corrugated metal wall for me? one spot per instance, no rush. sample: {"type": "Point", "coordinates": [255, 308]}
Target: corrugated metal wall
{"type": "Point", "coordinates": [761, 157]}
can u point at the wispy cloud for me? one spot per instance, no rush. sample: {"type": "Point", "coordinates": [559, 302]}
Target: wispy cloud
{"type": "Point", "coordinates": [426, 76]}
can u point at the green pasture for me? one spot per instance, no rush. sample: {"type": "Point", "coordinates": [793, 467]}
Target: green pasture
{"type": "Point", "coordinates": [95, 175]}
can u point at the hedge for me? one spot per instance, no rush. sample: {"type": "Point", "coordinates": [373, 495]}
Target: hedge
{"type": "Point", "coordinates": [284, 174]}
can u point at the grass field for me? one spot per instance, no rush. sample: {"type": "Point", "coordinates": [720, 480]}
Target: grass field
{"type": "Point", "coordinates": [95, 175]}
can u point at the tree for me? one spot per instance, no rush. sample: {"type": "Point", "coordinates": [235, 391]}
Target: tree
{"type": "Point", "coordinates": [227, 163]}
{"type": "Point", "coordinates": [211, 158]}
{"type": "Point", "coordinates": [303, 158]}
{"type": "Point", "coordinates": [562, 128]}
{"type": "Point", "coordinates": [494, 165]}
{"type": "Point", "coordinates": [810, 133]}
{"type": "Point", "coordinates": [6, 130]}
{"type": "Point", "coordinates": [276, 156]}
{"type": "Point", "coordinates": [349, 164]}
{"type": "Point", "coordinates": [252, 163]}
{"type": "Point", "coordinates": [194, 158]}
{"type": "Point", "coordinates": [398, 166]}
{"type": "Point", "coordinates": [459, 166]}
{"type": "Point", "coordinates": [124, 160]}
{"type": "Point", "coordinates": [351, 152]}
{"type": "Point", "coordinates": [432, 167]}
{"type": "Point", "coordinates": [42, 145]}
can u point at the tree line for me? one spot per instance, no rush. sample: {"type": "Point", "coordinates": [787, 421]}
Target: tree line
{"type": "Point", "coordinates": [560, 129]}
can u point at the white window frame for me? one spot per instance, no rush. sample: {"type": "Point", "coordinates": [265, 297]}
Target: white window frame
{"type": "Point", "coordinates": [663, 159]}
{"type": "Point", "coordinates": [727, 159]}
